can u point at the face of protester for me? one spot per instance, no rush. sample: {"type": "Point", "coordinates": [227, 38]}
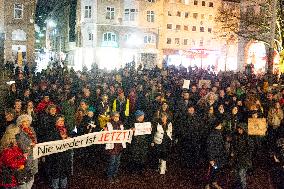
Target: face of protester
{"type": "Point", "coordinates": [211, 110]}
{"type": "Point", "coordinates": [193, 89]}
{"type": "Point", "coordinates": [191, 110]}
{"type": "Point", "coordinates": [20, 76]}
{"type": "Point", "coordinates": [60, 122]}
{"type": "Point", "coordinates": [30, 105]}
{"type": "Point", "coordinates": [214, 89]}
{"type": "Point", "coordinates": [18, 105]}
{"type": "Point", "coordinates": [13, 87]}
{"type": "Point", "coordinates": [46, 99]}
{"type": "Point", "coordinates": [115, 117]}
{"type": "Point", "coordinates": [25, 123]}
{"type": "Point", "coordinates": [140, 118]}
{"type": "Point", "coordinates": [235, 110]}
{"type": "Point", "coordinates": [164, 119]}
{"type": "Point", "coordinates": [90, 114]}
{"type": "Point", "coordinates": [269, 96]}
{"type": "Point", "coordinates": [277, 105]}
{"type": "Point", "coordinates": [211, 97]}
{"type": "Point", "coordinates": [9, 116]}
{"type": "Point", "coordinates": [83, 105]}
{"type": "Point", "coordinates": [52, 111]}
{"type": "Point", "coordinates": [240, 130]}
{"type": "Point", "coordinates": [240, 103]}
{"type": "Point", "coordinates": [186, 96]}
{"type": "Point", "coordinates": [221, 109]}
{"type": "Point", "coordinates": [221, 93]}
{"type": "Point", "coordinates": [165, 106]}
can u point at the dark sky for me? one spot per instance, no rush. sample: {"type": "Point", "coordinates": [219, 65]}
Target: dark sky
{"type": "Point", "coordinates": [43, 8]}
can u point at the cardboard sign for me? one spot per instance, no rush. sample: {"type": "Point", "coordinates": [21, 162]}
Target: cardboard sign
{"type": "Point", "coordinates": [104, 137]}
{"type": "Point", "coordinates": [207, 83]}
{"type": "Point", "coordinates": [257, 126]}
{"type": "Point", "coordinates": [186, 84]}
{"type": "Point", "coordinates": [142, 128]}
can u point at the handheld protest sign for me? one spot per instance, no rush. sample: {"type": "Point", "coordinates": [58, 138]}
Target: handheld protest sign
{"type": "Point", "coordinates": [257, 126]}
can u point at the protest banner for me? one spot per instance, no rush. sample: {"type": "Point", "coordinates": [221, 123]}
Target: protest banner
{"type": "Point", "coordinates": [206, 83]}
{"type": "Point", "coordinates": [142, 128]}
{"type": "Point", "coordinates": [186, 84]}
{"type": "Point", "coordinates": [257, 126]}
{"type": "Point", "coordinates": [104, 137]}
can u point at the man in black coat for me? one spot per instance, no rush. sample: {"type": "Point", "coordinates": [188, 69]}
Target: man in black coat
{"type": "Point", "coordinates": [216, 153]}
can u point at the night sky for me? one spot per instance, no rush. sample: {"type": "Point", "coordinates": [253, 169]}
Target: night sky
{"type": "Point", "coordinates": [43, 8]}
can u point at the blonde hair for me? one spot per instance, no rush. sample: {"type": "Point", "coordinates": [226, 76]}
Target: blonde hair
{"type": "Point", "coordinates": [22, 117]}
{"type": "Point", "coordinates": [9, 137]}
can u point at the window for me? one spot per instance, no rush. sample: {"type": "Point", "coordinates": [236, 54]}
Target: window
{"type": "Point", "coordinates": [130, 14]}
{"type": "Point", "coordinates": [110, 13]}
{"type": "Point", "coordinates": [169, 26]}
{"type": "Point", "coordinates": [177, 41]}
{"type": "Point", "coordinates": [169, 41]}
{"type": "Point", "coordinates": [195, 15]}
{"type": "Point", "coordinates": [18, 11]}
{"type": "Point", "coordinates": [178, 27]}
{"type": "Point", "coordinates": [19, 35]}
{"type": "Point", "coordinates": [151, 1]}
{"type": "Point", "coordinates": [201, 42]}
{"type": "Point", "coordinates": [193, 28]}
{"type": "Point", "coordinates": [210, 30]}
{"type": "Point", "coordinates": [203, 3]}
{"type": "Point", "coordinates": [186, 14]}
{"type": "Point", "coordinates": [109, 36]}
{"type": "Point", "coordinates": [185, 41]}
{"type": "Point", "coordinates": [201, 29]}
{"type": "Point", "coordinates": [186, 2]}
{"type": "Point", "coordinates": [149, 39]}
{"type": "Point", "coordinates": [91, 37]}
{"type": "Point", "coordinates": [178, 13]}
{"type": "Point", "coordinates": [195, 2]}
{"type": "Point", "coordinates": [202, 16]}
{"type": "Point", "coordinates": [211, 4]}
{"type": "Point", "coordinates": [150, 16]}
{"type": "Point", "coordinates": [185, 28]}
{"type": "Point", "coordinates": [88, 11]}
{"type": "Point", "coordinates": [169, 13]}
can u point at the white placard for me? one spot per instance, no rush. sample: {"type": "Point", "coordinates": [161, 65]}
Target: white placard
{"type": "Point", "coordinates": [186, 84]}
{"type": "Point", "coordinates": [143, 128]}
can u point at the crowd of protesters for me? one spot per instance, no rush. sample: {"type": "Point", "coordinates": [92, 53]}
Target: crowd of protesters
{"type": "Point", "coordinates": [206, 124]}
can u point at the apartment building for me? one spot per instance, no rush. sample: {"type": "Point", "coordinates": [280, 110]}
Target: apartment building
{"type": "Point", "coordinates": [2, 34]}
{"type": "Point", "coordinates": [112, 33]}
{"type": "Point", "coordinates": [18, 28]}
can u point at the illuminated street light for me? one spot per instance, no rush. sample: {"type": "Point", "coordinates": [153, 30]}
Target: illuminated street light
{"type": "Point", "coordinates": [51, 23]}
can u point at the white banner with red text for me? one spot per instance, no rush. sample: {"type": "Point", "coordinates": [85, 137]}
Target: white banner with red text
{"type": "Point", "coordinates": [104, 137]}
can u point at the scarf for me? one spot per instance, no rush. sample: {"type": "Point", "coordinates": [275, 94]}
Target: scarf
{"type": "Point", "coordinates": [62, 131]}
{"type": "Point", "coordinates": [30, 133]}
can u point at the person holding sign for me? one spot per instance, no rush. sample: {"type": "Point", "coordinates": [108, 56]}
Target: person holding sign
{"type": "Point", "coordinates": [59, 165]}
{"type": "Point", "coordinates": [114, 150]}
{"type": "Point", "coordinates": [139, 145]}
{"type": "Point", "coordinates": [162, 141]}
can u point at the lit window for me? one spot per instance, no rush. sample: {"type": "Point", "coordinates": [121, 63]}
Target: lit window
{"type": "Point", "coordinates": [19, 35]}
{"type": "Point", "coordinates": [110, 13]}
{"type": "Point", "coordinates": [109, 36]}
{"type": "Point", "coordinates": [203, 3]}
{"type": "Point", "coordinates": [178, 13]}
{"type": "Point", "coordinates": [201, 29]}
{"type": "Point", "coordinates": [195, 2]}
{"type": "Point", "coordinates": [169, 26]}
{"type": "Point", "coordinates": [169, 41]}
{"type": "Point", "coordinates": [149, 39]}
{"type": "Point", "coordinates": [150, 16]}
{"type": "Point", "coordinates": [211, 4]}
{"type": "Point", "coordinates": [185, 41]}
{"type": "Point", "coordinates": [178, 27]}
{"type": "Point", "coordinates": [18, 11]}
{"type": "Point", "coordinates": [193, 28]}
{"type": "Point", "coordinates": [195, 15]}
{"type": "Point", "coordinates": [88, 11]}
{"type": "Point", "coordinates": [186, 14]}
{"type": "Point", "coordinates": [130, 14]}
{"type": "Point", "coordinates": [185, 28]}
{"type": "Point", "coordinates": [91, 37]}
{"type": "Point", "coordinates": [177, 41]}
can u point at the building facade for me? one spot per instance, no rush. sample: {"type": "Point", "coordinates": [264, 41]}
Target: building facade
{"type": "Point", "coordinates": [112, 33]}
{"type": "Point", "coordinates": [19, 29]}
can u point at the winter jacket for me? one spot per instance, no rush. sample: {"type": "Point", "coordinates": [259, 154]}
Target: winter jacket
{"type": "Point", "coordinates": [11, 159]}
